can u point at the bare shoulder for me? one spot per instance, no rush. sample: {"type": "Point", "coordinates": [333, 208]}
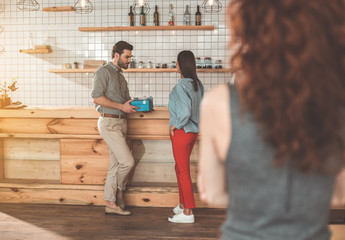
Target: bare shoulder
{"type": "Point", "coordinates": [215, 119]}
{"type": "Point", "coordinates": [217, 100]}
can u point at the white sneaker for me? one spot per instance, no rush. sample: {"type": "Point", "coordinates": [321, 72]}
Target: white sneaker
{"type": "Point", "coordinates": [177, 209]}
{"type": "Point", "coordinates": [181, 218]}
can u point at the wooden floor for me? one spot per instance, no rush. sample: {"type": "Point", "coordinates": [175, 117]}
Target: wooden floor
{"type": "Point", "coordinates": [37, 221]}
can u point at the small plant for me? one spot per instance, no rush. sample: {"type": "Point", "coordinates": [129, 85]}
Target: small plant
{"type": "Point", "coordinates": [6, 88]}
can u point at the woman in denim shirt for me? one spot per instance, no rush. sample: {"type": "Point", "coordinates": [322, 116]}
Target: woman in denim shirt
{"type": "Point", "coordinates": [184, 103]}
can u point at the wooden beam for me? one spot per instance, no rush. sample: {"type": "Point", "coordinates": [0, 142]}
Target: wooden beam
{"type": "Point", "coordinates": [143, 70]}
{"type": "Point", "coordinates": [2, 161]}
{"type": "Point", "coordinates": [88, 195]}
{"type": "Point", "coordinates": [73, 136]}
{"type": "Point", "coordinates": [80, 112]}
{"type": "Point", "coordinates": [49, 126]}
{"type": "Point", "coordinates": [144, 28]}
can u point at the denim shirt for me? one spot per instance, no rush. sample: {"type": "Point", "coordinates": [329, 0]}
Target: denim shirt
{"type": "Point", "coordinates": [184, 105]}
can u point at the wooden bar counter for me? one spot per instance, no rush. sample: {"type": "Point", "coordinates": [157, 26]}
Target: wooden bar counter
{"type": "Point", "coordinates": [56, 155]}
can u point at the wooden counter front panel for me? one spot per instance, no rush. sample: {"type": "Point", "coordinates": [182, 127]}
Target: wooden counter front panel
{"type": "Point", "coordinates": [148, 127]}
{"type": "Point", "coordinates": [49, 126]}
{"type": "Point", "coordinates": [87, 162]}
{"type": "Point", "coordinates": [2, 164]}
{"type": "Point", "coordinates": [83, 161]}
{"type": "Point", "coordinates": [31, 158]}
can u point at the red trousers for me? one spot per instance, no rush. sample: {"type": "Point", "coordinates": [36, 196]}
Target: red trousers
{"type": "Point", "coordinates": [182, 145]}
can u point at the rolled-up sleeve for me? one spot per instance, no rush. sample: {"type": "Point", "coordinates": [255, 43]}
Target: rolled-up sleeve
{"type": "Point", "coordinates": [183, 103]}
{"type": "Point", "coordinates": [100, 82]}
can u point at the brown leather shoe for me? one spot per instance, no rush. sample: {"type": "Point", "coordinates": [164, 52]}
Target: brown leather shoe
{"type": "Point", "coordinates": [119, 211]}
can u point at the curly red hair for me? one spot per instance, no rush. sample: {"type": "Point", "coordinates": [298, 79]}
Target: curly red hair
{"type": "Point", "coordinates": [292, 56]}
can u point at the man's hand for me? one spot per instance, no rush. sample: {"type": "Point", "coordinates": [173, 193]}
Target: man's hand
{"type": "Point", "coordinates": [172, 130]}
{"type": "Point", "coordinates": [128, 108]}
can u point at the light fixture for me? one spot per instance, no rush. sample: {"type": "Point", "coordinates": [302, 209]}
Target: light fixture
{"type": "Point", "coordinates": [211, 6]}
{"type": "Point", "coordinates": [83, 6]}
{"type": "Point", "coordinates": [141, 3]}
{"type": "Point", "coordinates": [28, 5]}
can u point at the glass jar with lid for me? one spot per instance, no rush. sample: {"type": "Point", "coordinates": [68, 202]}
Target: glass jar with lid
{"type": "Point", "coordinates": [218, 63]}
{"type": "Point", "coordinates": [198, 62]}
{"type": "Point", "coordinates": [173, 64]}
{"type": "Point", "coordinates": [207, 62]}
{"type": "Point", "coordinates": [140, 64]}
{"type": "Point", "coordinates": [132, 64]}
{"type": "Point", "coordinates": [149, 64]}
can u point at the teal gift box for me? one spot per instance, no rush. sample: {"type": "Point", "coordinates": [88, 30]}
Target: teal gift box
{"type": "Point", "coordinates": [144, 104]}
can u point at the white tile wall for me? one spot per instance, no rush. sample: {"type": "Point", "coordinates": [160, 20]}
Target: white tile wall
{"type": "Point", "coordinates": [38, 87]}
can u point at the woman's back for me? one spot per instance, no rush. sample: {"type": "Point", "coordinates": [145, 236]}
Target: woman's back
{"type": "Point", "coordinates": [268, 202]}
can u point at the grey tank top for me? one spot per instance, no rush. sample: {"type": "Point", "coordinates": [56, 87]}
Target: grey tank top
{"type": "Point", "coordinates": [266, 202]}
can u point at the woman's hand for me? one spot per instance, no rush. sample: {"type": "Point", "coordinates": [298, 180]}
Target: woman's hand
{"type": "Point", "coordinates": [172, 130]}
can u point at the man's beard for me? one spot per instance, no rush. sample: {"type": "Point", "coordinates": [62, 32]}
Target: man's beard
{"type": "Point", "coordinates": [122, 64]}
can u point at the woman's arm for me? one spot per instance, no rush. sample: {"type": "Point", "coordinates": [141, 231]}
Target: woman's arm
{"type": "Point", "coordinates": [215, 130]}
{"type": "Point", "coordinates": [338, 199]}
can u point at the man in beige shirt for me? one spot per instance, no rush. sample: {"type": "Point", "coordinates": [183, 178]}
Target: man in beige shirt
{"type": "Point", "coordinates": [112, 100]}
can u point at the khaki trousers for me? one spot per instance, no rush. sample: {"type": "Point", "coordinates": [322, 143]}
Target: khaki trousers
{"type": "Point", "coordinates": [113, 131]}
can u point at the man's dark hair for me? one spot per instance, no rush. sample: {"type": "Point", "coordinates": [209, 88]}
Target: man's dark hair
{"type": "Point", "coordinates": [119, 47]}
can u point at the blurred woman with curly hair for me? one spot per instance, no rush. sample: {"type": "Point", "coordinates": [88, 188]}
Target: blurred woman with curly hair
{"type": "Point", "coordinates": [272, 148]}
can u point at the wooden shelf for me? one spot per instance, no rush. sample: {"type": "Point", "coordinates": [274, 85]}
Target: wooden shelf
{"type": "Point", "coordinates": [139, 70]}
{"type": "Point", "coordinates": [143, 28]}
{"type": "Point", "coordinates": [59, 9]}
{"type": "Point", "coordinates": [72, 70]}
{"type": "Point", "coordinates": [30, 51]}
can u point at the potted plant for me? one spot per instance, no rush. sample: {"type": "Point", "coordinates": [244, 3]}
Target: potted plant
{"type": "Point", "coordinates": [5, 89]}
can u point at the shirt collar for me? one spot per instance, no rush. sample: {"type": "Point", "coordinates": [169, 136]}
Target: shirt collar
{"type": "Point", "coordinates": [114, 67]}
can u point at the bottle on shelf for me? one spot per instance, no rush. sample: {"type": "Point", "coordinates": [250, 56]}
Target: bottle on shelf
{"type": "Point", "coordinates": [156, 17]}
{"type": "Point", "coordinates": [186, 16]}
{"type": "Point", "coordinates": [198, 17]}
{"type": "Point", "coordinates": [131, 16]}
{"type": "Point", "coordinates": [142, 17]}
{"type": "Point", "coordinates": [171, 16]}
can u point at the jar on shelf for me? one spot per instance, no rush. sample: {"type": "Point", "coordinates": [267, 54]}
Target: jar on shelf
{"type": "Point", "coordinates": [164, 65]}
{"type": "Point", "coordinates": [140, 64]}
{"type": "Point", "coordinates": [173, 64]}
{"type": "Point", "coordinates": [198, 62]}
{"type": "Point", "coordinates": [149, 64]}
{"type": "Point", "coordinates": [218, 64]}
{"type": "Point", "coordinates": [133, 63]}
{"type": "Point", "coordinates": [207, 62]}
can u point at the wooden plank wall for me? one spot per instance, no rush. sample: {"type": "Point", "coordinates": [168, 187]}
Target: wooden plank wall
{"type": "Point", "coordinates": [88, 195]}
{"type": "Point", "coordinates": [2, 163]}
{"type": "Point", "coordinates": [86, 161]}
{"type": "Point", "coordinates": [49, 126]}
{"type": "Point", "coordinates": [31, 158]}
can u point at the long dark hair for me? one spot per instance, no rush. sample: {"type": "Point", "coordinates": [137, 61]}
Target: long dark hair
{"type": "Point", "coordinates": [186, 62]}
{"type": "Point", "coordinates": [292, 55]}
